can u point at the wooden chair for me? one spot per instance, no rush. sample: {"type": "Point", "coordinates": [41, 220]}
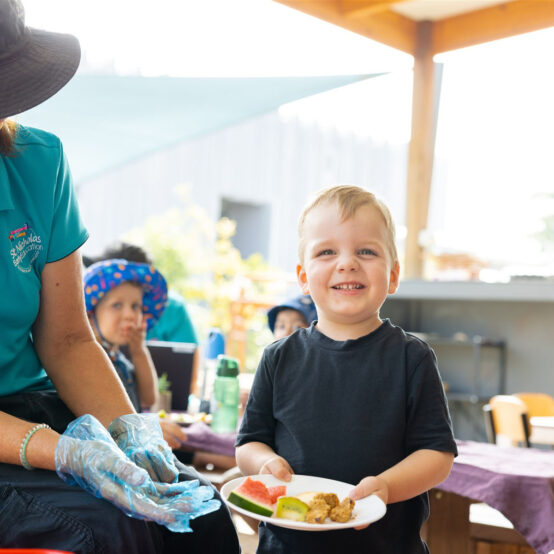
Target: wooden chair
{"type": "Point", "coordinates": [507, 421]}
{"type": "Point", "coordinates": [538, 404]}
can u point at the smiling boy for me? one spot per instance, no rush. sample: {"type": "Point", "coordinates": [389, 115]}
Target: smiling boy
{"type": "Point", "coordinates": [352, 398]}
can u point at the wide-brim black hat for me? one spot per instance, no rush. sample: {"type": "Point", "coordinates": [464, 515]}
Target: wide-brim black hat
{"type": "Point", "coordinates": [34, 64]}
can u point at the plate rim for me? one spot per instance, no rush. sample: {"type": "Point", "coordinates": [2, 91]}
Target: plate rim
{"type": "Point", "coordinates": [297, 525]}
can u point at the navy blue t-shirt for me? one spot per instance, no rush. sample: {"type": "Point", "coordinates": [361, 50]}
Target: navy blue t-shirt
{"type": "Point", "coordinates": [345, 410]}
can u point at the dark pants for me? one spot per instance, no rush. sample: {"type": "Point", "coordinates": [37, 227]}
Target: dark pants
{"type": "Point", "coordinates": [38, 510]}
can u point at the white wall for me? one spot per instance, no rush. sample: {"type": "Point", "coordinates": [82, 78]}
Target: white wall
{"type": "Point", "coordinates": [263, 160]}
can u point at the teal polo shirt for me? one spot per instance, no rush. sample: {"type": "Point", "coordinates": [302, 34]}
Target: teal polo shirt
{"type": "Point", "coordinates": [174, 324]}
{"type": "Point", "coordinates": [39, 224]}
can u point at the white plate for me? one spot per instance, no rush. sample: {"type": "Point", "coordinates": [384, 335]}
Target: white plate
{"type": "Point", "coordinates": [366, 510]}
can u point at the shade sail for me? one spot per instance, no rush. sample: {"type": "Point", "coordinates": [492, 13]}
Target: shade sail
{"type": "Point", "coordinates": [108, 121]}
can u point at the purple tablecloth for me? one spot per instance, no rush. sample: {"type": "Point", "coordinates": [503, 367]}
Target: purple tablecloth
{"type": "Point", "coordinates": [201, 437]}
{"type": "Point", "coordinates": [519, 482]}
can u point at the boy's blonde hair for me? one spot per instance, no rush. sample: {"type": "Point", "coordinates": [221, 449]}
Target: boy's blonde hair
{"type": "Point", "coordinates": [349, 199]}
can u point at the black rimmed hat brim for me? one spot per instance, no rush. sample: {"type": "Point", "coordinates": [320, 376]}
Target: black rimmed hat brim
{"type": "Point", "coordinates": [37, 70]}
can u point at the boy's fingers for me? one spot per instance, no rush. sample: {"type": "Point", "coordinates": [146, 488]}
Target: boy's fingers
{"type": "Point", "coordinates": [279, 468]}
{"type": "Point", "coordinates": [364, 488]}
{"type": "Point", "coordinates": [361, 527]}
{"type": "Point", "coordinates": [283, 474]}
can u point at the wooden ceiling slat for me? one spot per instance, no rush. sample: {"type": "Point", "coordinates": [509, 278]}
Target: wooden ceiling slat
{"type": "Point", "coordinates": [386, 27]}
{"type": "Point", "coordinates": [375, 19]}
{"type": "Point", "coordinates": [323, 9]}
{"type": "Point", "coordinates": [353, 9]}
{"type": "Point", "coordinates": [497, 22]}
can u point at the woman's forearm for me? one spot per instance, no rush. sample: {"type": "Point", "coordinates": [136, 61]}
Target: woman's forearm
{"type": "Point", "coordinates": [40, 448]}
{"type": "Point", "coordinates": [77, 365]}
{"type": "Point", "coordinates": [86, 380]}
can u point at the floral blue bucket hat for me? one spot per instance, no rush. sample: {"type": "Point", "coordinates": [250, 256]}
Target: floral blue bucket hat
{"type": "Point", "coordinates": [101, 277]}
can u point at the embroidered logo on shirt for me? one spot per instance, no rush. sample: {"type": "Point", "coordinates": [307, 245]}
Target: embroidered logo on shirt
{"type": "Point", "coordinates": [26, 246]}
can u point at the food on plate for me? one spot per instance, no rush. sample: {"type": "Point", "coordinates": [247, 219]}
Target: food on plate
{"type": "Point", "coordinates": [322, 505]}
{"type": "Point", "coordinates": [307, 497]}
{"type": "Point", "coordinates": [276, 492]}
{"type": "Point", "coordinates": [310, 507]}
{"type": "Point", "coordinates": [252, 496]}
{"type": "Point", "coordinates": [330, 498]}
{"type": "Point", "coordinates": [290, 507]}
{"type": "Point", "coordinates": [343, 512]}
{"type": "Point", "coordinates": [319, 510]}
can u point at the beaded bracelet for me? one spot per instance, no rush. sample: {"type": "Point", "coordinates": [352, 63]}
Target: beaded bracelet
{"type": "Point", "coordinates": [25, 441]}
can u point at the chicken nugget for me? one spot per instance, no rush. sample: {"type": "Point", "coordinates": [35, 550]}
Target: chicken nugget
{"type": "Point", "coordinates": [331, 498]}
{"type": "Point", "coordinates": [318, 511]}
{"type": "Point", "coordinates": [343, 512]}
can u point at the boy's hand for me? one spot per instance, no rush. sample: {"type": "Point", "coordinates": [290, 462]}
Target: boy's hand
{"type": "Point", "coordinates": [137, 339]}
{"type": "Point", "coordinates": [278, 467]}
{"type": "Point", "coordinates": [367, 486]}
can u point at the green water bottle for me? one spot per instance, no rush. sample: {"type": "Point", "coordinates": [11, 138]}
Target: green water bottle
{"type": "Point", "coordinates": [226, 395]}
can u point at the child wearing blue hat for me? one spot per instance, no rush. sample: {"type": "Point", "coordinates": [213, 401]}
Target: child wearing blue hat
{"type": "Point", "coordinates": [292, 314]}
{"type": "Point", "coordinates": [123, 299]}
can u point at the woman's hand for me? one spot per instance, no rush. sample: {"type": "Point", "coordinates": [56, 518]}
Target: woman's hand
{"type": "Point", "coordinates": [141, 439]}
{"type": "Point", "coordinates": [173, 433]}
{"type": "Point", "coordinates": [278, 467]}
{"type": "Point", "coordinates": [87, 456]}
{"type": "Point", "coordinates": [367, 486]}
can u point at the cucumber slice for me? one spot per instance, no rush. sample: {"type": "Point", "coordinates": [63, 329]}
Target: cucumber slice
{"type": "Point", "coordinates": [248, 504]}
{"type": "Point", "coordinates": [289, 507]}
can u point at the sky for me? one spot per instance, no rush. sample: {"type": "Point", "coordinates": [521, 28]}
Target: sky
{"type": "Point", "coordinates": [495, 135]}
{"type": "Point", "coordinates": [210, 38]}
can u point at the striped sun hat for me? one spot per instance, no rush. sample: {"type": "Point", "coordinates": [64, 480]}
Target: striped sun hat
{"type": "Point", "coordinates": [101, 277]}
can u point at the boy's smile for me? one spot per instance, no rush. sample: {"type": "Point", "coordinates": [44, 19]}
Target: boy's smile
{"type": "Point", "coordinates": [347, 268]}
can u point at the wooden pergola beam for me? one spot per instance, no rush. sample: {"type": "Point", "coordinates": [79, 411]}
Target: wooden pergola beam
{"type": "Point", "coordinates": [493, 23]}
{"type": "Point", "coordinates": [353, 9]}
{"type": "Point", "coordinates": [376, 20]}
{"type": "Point", "coordinates": [382, 25]}
{"type": "Point", "coordinates": [421, 152]}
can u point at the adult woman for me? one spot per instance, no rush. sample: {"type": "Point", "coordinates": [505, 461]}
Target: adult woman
{"type": "Point", "coordinates": [51, 367]}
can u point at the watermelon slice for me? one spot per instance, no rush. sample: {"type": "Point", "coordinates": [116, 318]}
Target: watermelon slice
{"type": "Point", "coordinates": [253, 496]}
{"type": "Point", "coordinates": [276, 492]}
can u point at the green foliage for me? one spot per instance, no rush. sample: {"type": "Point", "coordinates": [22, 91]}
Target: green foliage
{"type": "Point", "coordinates": [197, 257]}
{"type": "Point", "coordinates": [164, 384]}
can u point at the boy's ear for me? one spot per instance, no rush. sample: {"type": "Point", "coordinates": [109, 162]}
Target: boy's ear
{"type": "Point", "coordinates": [302, 279]}
{"type": "Point", "coordinates": [394, 277]}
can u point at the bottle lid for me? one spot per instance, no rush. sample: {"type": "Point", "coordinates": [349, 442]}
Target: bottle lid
{"type": "Point", "coordinates": [215, 344]}
{"type": "Point", "coordinates": [227, 366]}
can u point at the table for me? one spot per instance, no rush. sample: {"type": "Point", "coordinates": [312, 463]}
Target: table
{"type": "Point", "coordinates": [201, 437]}
{"type": "Point", "coordinates": [542, 430]}
{"type": "Point", "coordinates": [518, 482]}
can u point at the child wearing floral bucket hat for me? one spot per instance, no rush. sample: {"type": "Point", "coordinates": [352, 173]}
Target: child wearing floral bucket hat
{"type": "Point", "coordinates": [123, 299]}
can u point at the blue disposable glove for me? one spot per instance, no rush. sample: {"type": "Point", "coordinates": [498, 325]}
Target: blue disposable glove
{"type": "Point", "coordinates": [140, 437]}
{"type": "Point", "coordinates": [87, 456]}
